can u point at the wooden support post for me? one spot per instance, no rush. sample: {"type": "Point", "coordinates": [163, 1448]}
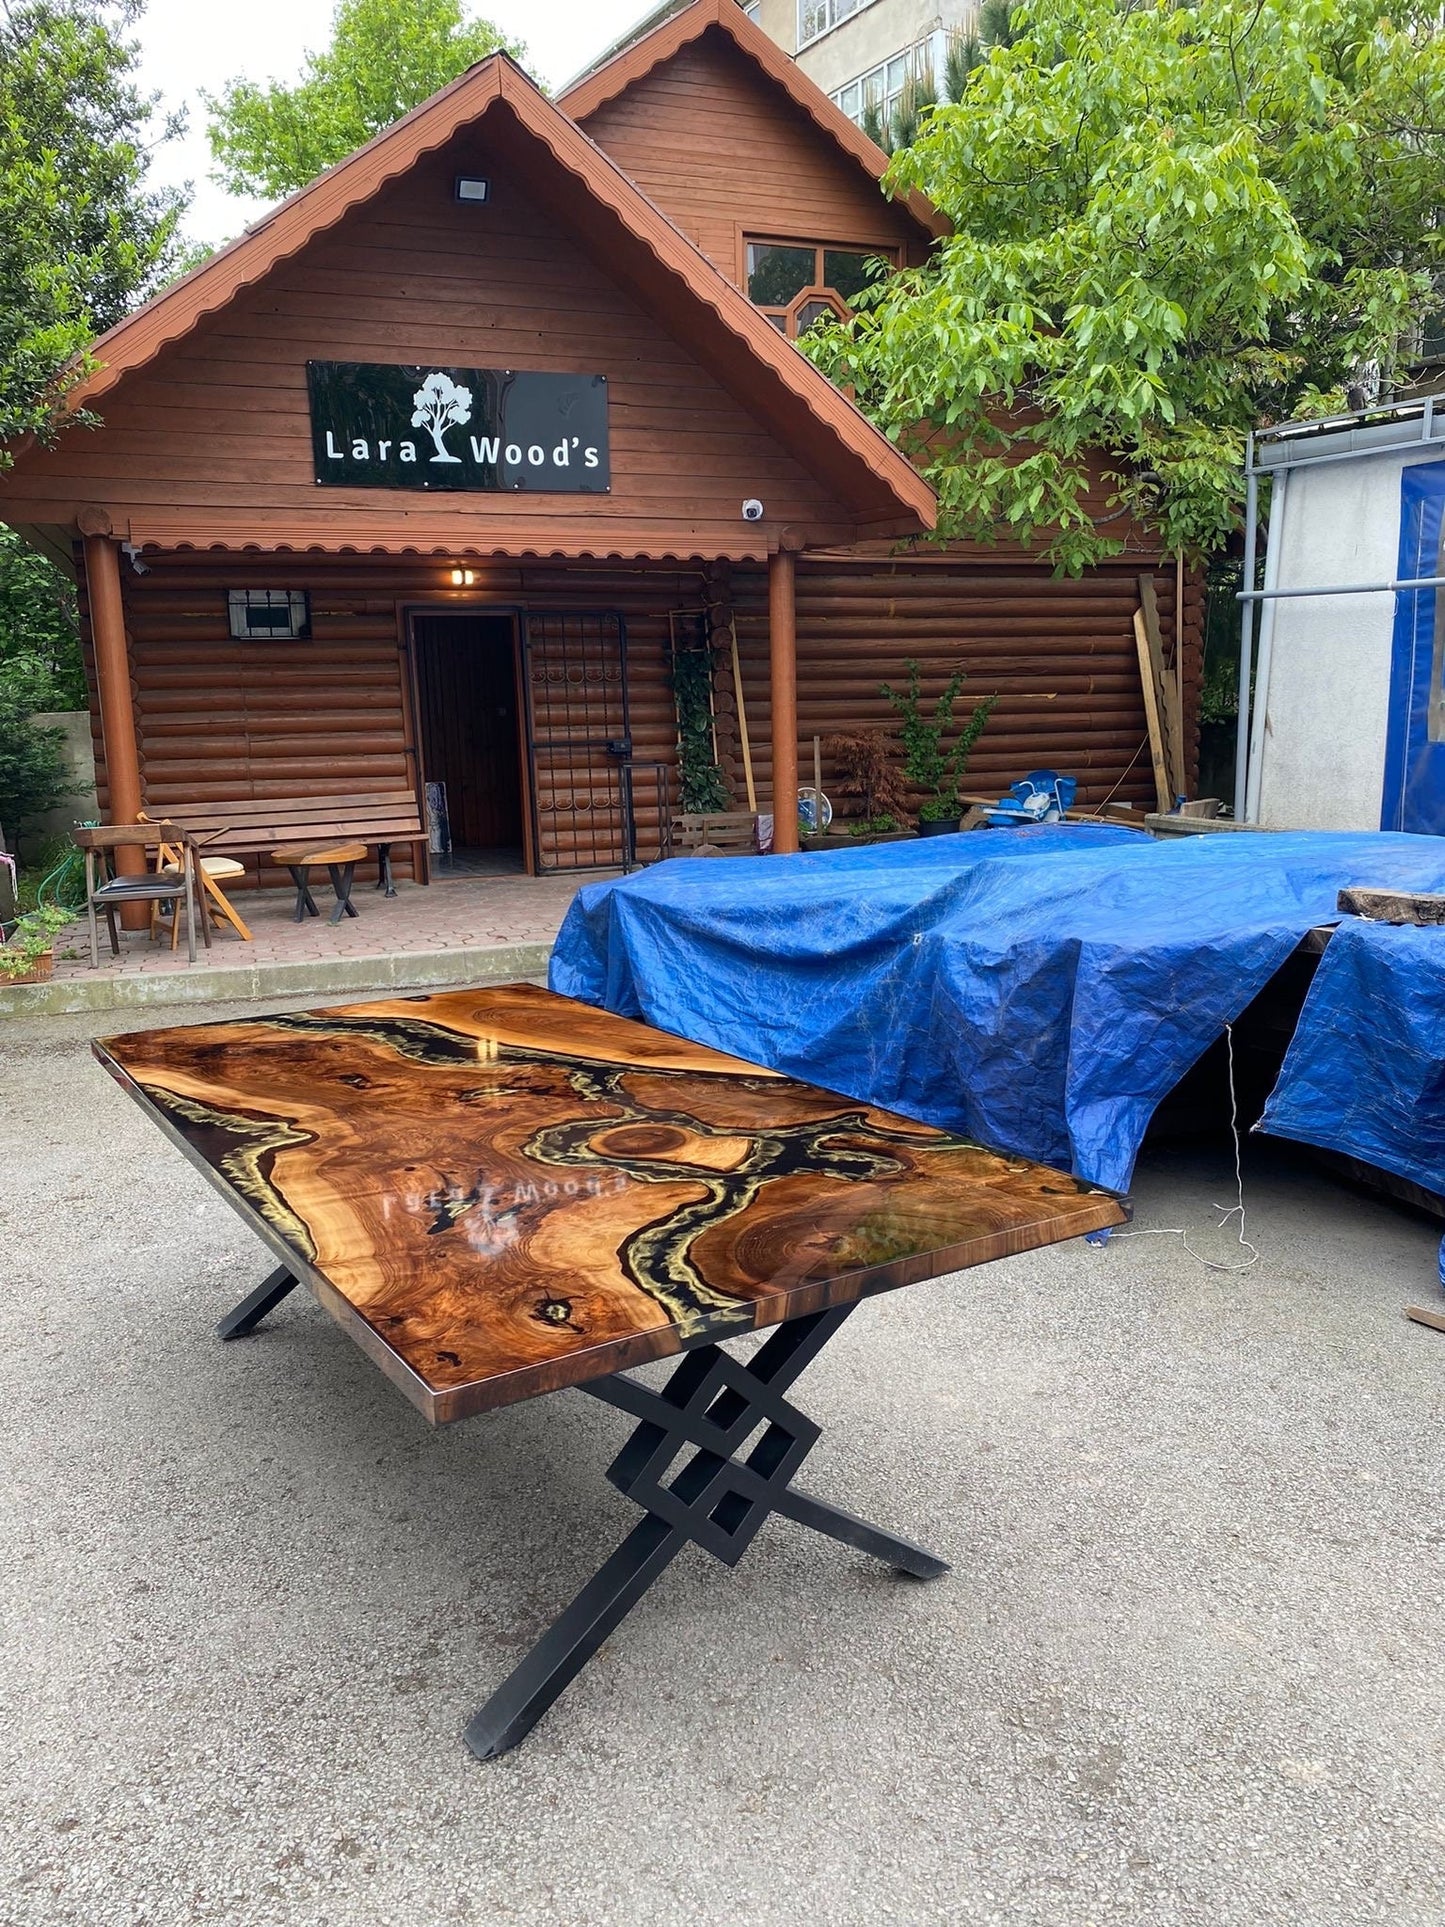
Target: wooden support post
{"type": "Point", "coordinates": [783, 667]}
{"type": "Point", "coordinates": [117, 711]}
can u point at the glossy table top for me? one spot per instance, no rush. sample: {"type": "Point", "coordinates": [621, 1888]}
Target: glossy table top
{"type": "Point", "coordinates": [501, 1191]}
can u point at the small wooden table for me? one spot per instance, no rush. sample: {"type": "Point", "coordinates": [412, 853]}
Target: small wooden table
{"type": "Point", "coordinates": [340, 859]}
{"type": "Point", "coordinates": [501, 1192]}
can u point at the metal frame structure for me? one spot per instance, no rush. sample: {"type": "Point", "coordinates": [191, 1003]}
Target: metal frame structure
{"type": "Point", "coordinates": [712, 1404]}
{"type": "Point", "coordinates": [577, 661]}
{"type": "Point", "coordinates": [1276, 453]}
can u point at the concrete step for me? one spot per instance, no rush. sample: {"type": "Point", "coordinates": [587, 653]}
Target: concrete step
{"type": "Point", "coordinates": [232, 983]}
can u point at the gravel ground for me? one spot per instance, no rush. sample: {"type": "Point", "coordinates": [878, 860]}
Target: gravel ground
{"type": "Point", "coordinates": [1189, 1666]}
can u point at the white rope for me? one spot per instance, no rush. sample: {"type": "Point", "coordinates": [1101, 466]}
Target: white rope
{"type": "Point", "coordinates": [1226, 1211]}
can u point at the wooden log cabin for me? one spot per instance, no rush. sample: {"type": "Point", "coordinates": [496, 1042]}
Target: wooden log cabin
{"type": "Point", "coordinates": [428, 476]}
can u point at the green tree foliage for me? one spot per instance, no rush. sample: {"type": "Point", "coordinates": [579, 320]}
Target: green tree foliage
{"type": "Point", "coordinates": [32, 768]}
{"type": "Point", "coordinates": [927, 765]}
{"type": "Point", "coordinates": [702, 785]}
{"type": "Point", "coordinates": [385, 57]}
{"type": "Point", "coordinates": [82, 238]}
{"type": "Point", "coordinates": [39, 632]}
{"type": "Point", "coordinates": [1173, 222]}
{"type": "Point", "coordinates": [40, 670]}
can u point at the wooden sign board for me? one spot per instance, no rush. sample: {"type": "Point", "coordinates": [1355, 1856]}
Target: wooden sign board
{"type": "Point", "coordinates": [493, 430]}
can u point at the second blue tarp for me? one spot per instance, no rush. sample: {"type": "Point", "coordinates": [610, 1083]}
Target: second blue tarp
{"type": "Point", "coordinates": [1365, 1070]}
{"type": "Point", "coordinates": [1038, 989]}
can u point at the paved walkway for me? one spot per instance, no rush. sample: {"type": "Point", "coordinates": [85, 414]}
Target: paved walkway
{"type": "Point", "coordinates": [1186, 1671]}
{"type": "Point", "coordinates": [446, 933]}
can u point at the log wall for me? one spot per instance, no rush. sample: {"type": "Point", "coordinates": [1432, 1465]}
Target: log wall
{"type": "Point", "coordinates": [219, 718]}
{"type": "Point", "coordinates": [1060, 655]}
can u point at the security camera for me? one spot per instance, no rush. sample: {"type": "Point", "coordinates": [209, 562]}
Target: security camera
{"type": "Point", "coordinates": [752, 509]}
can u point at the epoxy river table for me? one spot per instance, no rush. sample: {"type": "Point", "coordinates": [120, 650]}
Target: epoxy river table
{"type": "Point", "coordinates": [501, 1192]}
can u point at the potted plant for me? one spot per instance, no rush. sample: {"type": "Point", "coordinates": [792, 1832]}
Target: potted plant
{"type": "Point", "coordinates": [927, 765]}
{"type": "Point", "coordinates": [867, 769]}
{"type": "Point", "coordinates": [29, 954]}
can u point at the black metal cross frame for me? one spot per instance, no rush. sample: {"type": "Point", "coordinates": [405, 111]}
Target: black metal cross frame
{"type": "Point", "coordinates": [713, 1404]}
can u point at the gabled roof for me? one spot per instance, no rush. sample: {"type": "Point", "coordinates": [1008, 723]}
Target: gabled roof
{"type": "Point", "coordinates": [803, 410]}
{"type": "Point", "coordinates": [640, 57]}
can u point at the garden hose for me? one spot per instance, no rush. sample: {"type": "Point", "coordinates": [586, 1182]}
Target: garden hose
{"type": "Point", "coordinates": [66, 882]}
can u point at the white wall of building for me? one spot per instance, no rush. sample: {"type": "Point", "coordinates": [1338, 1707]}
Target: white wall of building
{"type": "Point", "coordinates": [860, 40]}
{"type": "Point", "coordinates": [1322, 759]}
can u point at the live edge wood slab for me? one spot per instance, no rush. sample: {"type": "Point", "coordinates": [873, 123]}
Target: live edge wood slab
{"type": "Point", "coordinates": [500, 1192]}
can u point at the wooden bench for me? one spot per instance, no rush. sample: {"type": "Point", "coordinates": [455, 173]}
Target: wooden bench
{"type": "Point", "coordinates": [719, 832]}
{"type": "Point", "coordinates": [256, 827]}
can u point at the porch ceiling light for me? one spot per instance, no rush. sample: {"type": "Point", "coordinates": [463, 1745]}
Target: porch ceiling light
{"type": "Point", "coordinates": [469, 188]}
{"type": "Point", "coordinates": [463, 578]}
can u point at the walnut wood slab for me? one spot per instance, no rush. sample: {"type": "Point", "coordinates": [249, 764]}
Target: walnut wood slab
{"type": "Point", "coordinates": [501, 1191]}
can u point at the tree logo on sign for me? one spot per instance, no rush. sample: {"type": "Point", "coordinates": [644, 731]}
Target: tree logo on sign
{"type": "Point", "coordinates": [441, 404]}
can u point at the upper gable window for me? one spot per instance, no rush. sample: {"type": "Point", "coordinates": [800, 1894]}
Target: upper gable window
{"type": "Point", "coordinates": [819, 16]}
{"type": "Point", "coordinates": [796, 283]}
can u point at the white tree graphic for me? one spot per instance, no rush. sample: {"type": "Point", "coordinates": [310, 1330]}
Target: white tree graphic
{"type": "Point", "coordinates": [441, 404]}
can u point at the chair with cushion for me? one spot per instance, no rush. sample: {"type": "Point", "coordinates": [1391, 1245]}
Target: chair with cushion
{"type": "Point", "coordinates": [211, 872]}
{"type": "Point", "coordinates": [179, 884]}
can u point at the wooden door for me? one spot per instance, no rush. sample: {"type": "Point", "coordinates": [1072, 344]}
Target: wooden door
{"type": "Point", "coordinates": [467, 685]}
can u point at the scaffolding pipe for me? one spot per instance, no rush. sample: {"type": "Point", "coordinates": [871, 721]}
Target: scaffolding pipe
{"type": "Point", "coordinates": [1274, 551]}
{"type": "Point", "coordinates": [1246, 636]}
{"type": "Point", "coordinates": [1346, 588]}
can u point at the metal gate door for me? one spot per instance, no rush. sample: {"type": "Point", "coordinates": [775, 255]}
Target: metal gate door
{"type": "Point", "coordinates": [578, 739]}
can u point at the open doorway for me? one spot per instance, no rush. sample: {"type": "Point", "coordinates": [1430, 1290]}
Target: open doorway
{"type": "Point", "coordinates": [466, 678]}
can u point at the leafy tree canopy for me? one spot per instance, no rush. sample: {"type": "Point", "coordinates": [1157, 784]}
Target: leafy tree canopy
{"type": "Point", "coordinates": [1174, 221]}
{"type": "Point", "coordinates": [82, 238]}
{"type": "Point", "coordinates": [385, 57]}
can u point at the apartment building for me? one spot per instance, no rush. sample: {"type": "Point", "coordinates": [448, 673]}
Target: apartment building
{"type": "Point", "coordinates": [859, 51]}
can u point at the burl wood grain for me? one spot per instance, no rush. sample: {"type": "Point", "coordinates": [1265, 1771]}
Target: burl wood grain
{"type": "Point", "coordinates": [502, 1191]}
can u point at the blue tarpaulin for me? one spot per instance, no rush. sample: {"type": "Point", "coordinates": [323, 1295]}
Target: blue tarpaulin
{"type": "Point", "coordinates": [1414, 785]}
{"type": "Point", "coordinates": [1038, 989]}
{"type": "Point", "coordinates": [1365, 1070]}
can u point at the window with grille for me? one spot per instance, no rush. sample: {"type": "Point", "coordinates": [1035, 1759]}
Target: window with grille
{"type": "Point", "coordinates": [797, 283]}
{"type": "Point", "coordinates": [269, 615]}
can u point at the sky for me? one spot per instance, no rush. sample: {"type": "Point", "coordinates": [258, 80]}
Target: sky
{"type": "Point", "coordinates": [190, 47]}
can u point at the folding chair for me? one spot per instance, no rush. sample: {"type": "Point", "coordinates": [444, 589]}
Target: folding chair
{"type": "Point", "coordinates": [214, 900]}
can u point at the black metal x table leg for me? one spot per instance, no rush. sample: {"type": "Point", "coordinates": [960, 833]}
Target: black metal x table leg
{"type": "Point", "coordinates": [713, 1403]}
{"type": "Point", "coordinates": [341, 875]}
{"type": "Point", "coordinates": [243, 1319]}
{"type": "Point", "coordinates": [305, 902]}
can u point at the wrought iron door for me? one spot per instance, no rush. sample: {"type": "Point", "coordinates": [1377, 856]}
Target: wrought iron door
{"type": "Point", "coordinates": [579, 740]}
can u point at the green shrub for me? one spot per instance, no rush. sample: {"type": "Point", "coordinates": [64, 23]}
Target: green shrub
{"type": "Point", "coordinates": [33, 775]}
